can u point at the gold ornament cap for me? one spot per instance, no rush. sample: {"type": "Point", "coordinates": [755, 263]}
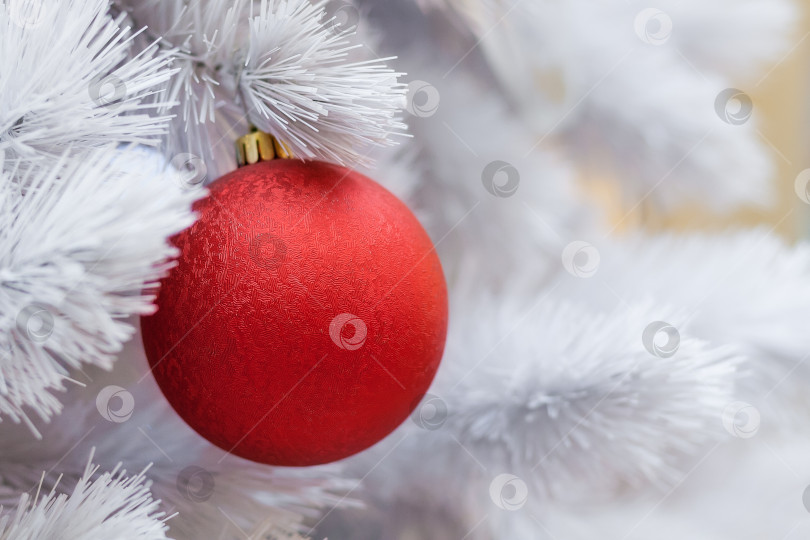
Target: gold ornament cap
{"type": "Point", "coordinates": [259, 146]}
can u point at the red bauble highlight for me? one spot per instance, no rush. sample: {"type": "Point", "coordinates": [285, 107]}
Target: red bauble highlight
{"type": "Point", "coordinates": [306, 316]}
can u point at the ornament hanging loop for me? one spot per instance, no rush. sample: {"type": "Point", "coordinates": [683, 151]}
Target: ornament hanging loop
{"type": "Point", "coordinates": [259, 146]}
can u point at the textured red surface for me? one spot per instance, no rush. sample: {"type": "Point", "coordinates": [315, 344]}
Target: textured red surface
{"type": "Point", "coordinates": [241, 344]}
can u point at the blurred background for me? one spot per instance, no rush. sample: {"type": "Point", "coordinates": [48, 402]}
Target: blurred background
{"type": "Point", "coordinates": [780, 97]}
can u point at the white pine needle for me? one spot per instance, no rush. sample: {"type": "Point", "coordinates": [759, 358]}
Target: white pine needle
{"type": "Point", "coordinates": [571, 400]}
{"type": "Point", "coordinates": [299, 85]}
{"type": "Point", "coordinates": [279, 65]}
{"type": "Point", "coordinates": [109, 507]}
{"type": "Point", "coordinates": [79, 241]}
{"type": "Point", "coordinates": [204, 38]}
{"type": "Point", "coordinates": [66, 81]}
{"type": "Point", "coordinates": [210, 495]}
{"type": "Point", "coordinates": [748, 289]}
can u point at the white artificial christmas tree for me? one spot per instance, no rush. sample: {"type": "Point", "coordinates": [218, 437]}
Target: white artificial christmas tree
{"type": "Point", "coordinates": [593, 383]}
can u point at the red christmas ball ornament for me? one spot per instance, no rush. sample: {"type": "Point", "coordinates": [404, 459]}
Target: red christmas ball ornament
{"type": "Point", "coordinates": [306, 316]}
